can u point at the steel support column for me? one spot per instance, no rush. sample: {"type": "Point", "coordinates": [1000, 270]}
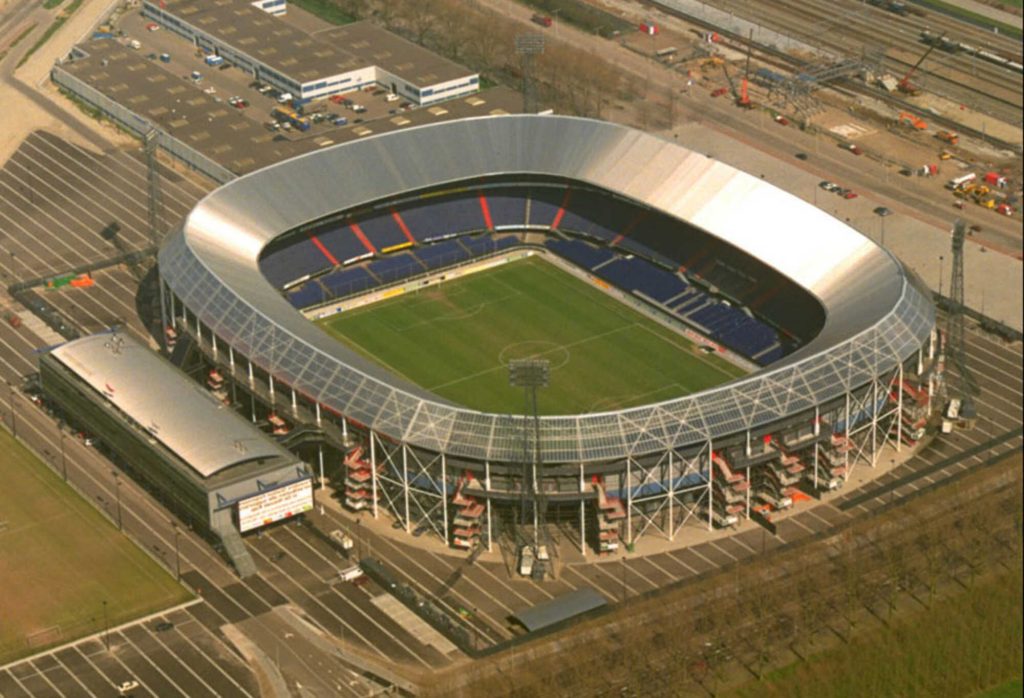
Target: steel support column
{"type": "Point", "coordinates": [373, 470]}
{"type": "Point", "coordinates": [899, 410]}
{"type": "Point", "coordinates": [671, 496]}
{"type": "Point", "coordinates": [487, 488]}
{"type": "Point", "coordinates": [405, 486]}
{"type": "Point", "coordinates": [444, 495]}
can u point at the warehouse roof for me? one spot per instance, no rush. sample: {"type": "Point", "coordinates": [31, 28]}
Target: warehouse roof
{"type": "Point", "coordinates": [172, 408]}
{"type": "Point", "coordinates": [560, 608]}
{"type": "Point", "coordinates": [304, 58]}
{"type": "Point", "coordinates": [229, 136]}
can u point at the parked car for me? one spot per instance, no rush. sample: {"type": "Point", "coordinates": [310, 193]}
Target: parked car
{"type": "Point", "coordinates": [882, 211]}
{"type": "Point", "coordinates": [828, 186]}
{"type": "Point", "coordinates": [850, 194]}
{"type": "Point", "coordinates": [719, 91]}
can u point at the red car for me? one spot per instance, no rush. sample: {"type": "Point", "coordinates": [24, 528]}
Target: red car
{"type": "Point", "coordinates": [718, 92]}
{"type": "Point", "coordinates": [850, 195]}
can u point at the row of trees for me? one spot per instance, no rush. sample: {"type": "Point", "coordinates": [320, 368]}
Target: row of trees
{"type": "Point", "coordinates": [777, 610]}
{"type": "Point", "coordinates": [570, 80]}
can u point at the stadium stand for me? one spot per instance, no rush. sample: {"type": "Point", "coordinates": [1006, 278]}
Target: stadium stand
{"type": "Point", "coordinates": [580, 252]}
{"type": "Point", "coordinates": [596, 215]}
{"type": "Point", "coordinates": [395, 267]}
{"type": "Point", "coordinates": [507, 206]}
{"type": "Point", "coordinates": [341, 243]}
{"type": "Point", "coordinates": [343, 282]}
{"type": "Point", "coordinates": [294, 260]}
{"type": "Point", "coordinates": [382, 230]}
{"type": "Point", "coordinates": [436, 217]}
{"type": "Point", "coordinates": [545, 203]}
{"type": "Point", "coordinates": [441, 254]}
{"type": "Point", "coordinates": [309, 293]}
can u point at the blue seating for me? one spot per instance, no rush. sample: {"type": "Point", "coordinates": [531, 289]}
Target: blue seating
{"type": "Point", "coordinates": [382, 230]}
{"type": "Point", "coordinates": [735, 329]}
{"type": "Point", "coordinates": [293, 261]}
{"type": "Point", "coordinates": [395, 267]}
{"type": "Point", "coordinates": [345, 282]}
{"type": "Point", "coordinates": [640, 275]}
{"type": "Point", "coordinates": [341, 242]}
{"type": "Point", "coordinates": [507, 207]}
{"type": "Point", "coordinates": [433, 218]}
{"type": "Point", "coordinates": [544, 204]}
{"type": "Point", "coordinates": [484, 244]}
{"type": "Point", "coordinates": [596, 215]}
{"type": "Point", "coordinates": [442, 254]}
{"type": "Point", "coordinates": [306, 295]}
{"type": "Point", "coordinates": [582, 253]}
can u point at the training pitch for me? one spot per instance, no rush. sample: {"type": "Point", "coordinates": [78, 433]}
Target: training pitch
{"type": "Point", "coordinates": [456, 340]}
{"type": "Point", "coordinates": [60, 560]}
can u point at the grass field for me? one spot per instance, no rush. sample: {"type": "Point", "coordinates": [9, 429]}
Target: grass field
{"type": "Point", "coordinates": [60, 560]}
{"type": "Point", "coordinates": [456, 340]}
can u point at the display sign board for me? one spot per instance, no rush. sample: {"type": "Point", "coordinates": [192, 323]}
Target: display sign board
{"type": "Point", "coordinates": [275, 505]}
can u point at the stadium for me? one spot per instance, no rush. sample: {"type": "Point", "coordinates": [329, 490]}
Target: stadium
{"type": "Point", "coordinates": [717, 347]}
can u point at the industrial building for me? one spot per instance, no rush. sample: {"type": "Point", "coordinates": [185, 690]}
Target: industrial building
{"type": "Point", "coordinates": [346, 59]}
{"type": "Point", "coordinates": [211, 467]}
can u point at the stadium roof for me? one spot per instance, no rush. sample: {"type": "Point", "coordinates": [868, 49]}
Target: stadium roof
{"type": "Point", "coordinates": [876, 314]}
{"type": "Point", "coordinates": [163, 401]}
{"type": "Point", "coordinates": [560, 608]}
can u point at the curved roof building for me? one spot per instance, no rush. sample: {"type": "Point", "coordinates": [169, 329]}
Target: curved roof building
{"type": "Point", "coordinates": [875, 314]}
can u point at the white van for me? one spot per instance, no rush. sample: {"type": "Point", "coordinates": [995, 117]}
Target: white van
{"type": "Point", "coordinates": [285, 98]}
{"type": "Point", "coordinates": [961, 180]}
{"type": "Point", "coordinates": [526, 561]}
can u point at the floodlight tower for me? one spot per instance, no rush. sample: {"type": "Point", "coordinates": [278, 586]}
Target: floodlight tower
{"type": "Point", "coordinates": [956, 348]}
{"type": "Point", "coordinates": [530, 374]}
{"type": "Point", "coordinates": [528, 46]}
{"type": "Point", "coordinates": [156, 200]}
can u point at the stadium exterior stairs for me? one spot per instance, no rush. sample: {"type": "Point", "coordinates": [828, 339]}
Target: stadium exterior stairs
{"type": "Point", "coordinates": [182, 351]}
{"type": "Point", "coordinates": [224, 527]}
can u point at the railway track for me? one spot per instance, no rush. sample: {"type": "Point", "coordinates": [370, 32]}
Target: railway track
{"type": "Point", "coordinates": [774, 56]}
{"type": "Point", "coordinates": [854, 30]}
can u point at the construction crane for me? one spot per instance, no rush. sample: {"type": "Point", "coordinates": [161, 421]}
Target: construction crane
{"type": "Point", "coordinates": [743, 100]}
{"type": "Point", "coordinates": [904, 84]}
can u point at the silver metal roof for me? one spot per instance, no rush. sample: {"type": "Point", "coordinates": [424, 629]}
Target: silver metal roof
{"type": "Point", "coordinates": [175, 410]}
{"type": "Point", "coordinates": [560, 608]}
{"type": "Point", "coordinates": [875, 316]}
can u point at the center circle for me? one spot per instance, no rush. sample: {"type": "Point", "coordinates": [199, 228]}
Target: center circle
{"type": "Point", "coordinates": [555, 353]}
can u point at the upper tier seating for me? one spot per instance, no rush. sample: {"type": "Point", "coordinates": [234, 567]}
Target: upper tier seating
{"type": "Point", "coordinates": [342, 243]}
{"type": "Point", "coordinates": [382, 230]}
{"type": "Point", "coordinates": [545, 202]}
{"type": "Point", "coordinates": [434, 218]}
{"type": "Point", "coordinates": [507, 206]}
{"type": "Point", "coordinates": [596, 215]}
{"type": "Point", "coordinates": [293, 261]}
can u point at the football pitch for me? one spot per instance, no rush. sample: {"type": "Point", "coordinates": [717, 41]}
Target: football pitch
{"type": "Point", "coordinates": [456, 340]}
{"type": "Point", "coordinates": [65, 571]}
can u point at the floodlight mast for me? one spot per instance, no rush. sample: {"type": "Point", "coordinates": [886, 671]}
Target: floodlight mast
{"type": "Point", "coordinates": [530, 374]}
{"type": "Point", "coordinates": [528, 46]}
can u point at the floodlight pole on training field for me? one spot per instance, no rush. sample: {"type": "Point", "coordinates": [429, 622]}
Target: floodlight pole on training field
{"type": "Point", "coordinates": [530, 374]}
{"type": "Point", "coordinates": [528, 46]}
{"type": "Point", "coordinates": [955, 321]}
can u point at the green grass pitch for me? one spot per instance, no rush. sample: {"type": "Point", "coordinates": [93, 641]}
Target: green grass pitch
{"type": "Point", "coordinates": [456, 339]}
{"type": "Point", "coordinates": [60, 559]}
